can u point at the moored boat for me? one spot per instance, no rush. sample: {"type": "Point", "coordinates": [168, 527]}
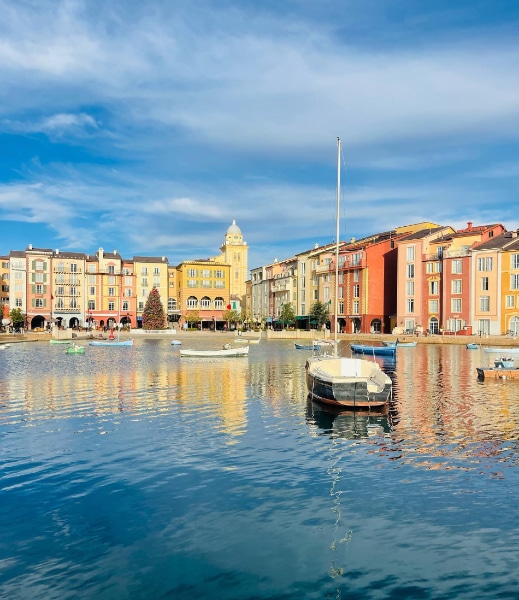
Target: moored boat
{"type": "Point", "coordinates": [503, 351]}
{"type": "Point", "coordinates": [374, 350]}
{"type": "Point", "coordinates": [472, 346]}
{"type": "Point", "coordinates": [226, 351]}
{"type": "Point", "coordinates": [75, 349]}
{"type": "Point", "coordinates": [400, 344]}
{"type": "Point", "coordinates": [497, 373]}
{"type": "Point", "coordinates": [111, 343]}
{"type": "Point", "coordinates": [54, 342]}
{"type": "Point", "coordinates": [352, 383]}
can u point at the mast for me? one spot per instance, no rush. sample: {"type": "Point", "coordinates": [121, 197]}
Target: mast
{"type": "Point", "coordinates": [336, 291]}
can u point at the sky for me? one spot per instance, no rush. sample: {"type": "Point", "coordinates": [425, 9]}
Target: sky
{"type": "Point", "coordinates": [147, 127]}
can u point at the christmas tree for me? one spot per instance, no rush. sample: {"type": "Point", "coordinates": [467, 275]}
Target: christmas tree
{"type": "Point", "coordinates": [153, 316]}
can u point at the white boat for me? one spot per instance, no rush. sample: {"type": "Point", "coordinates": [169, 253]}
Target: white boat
{"type": "Point", "coordinates": [176, 342]}
{"type": "Point", "coordinates": [503, 351]}
{"type": "Point", "coordinates": [111, 343]}
{"type": "Point", "coordinates": [400, 344]}
{"type": "Point", "coordinates": [227, 350]}
{"type": "Point", "coordinates": [347, 382]}
{"type": "Point", "coordinates": [4, 346]}
{"type": "Point", "coordinates": [242, 340]}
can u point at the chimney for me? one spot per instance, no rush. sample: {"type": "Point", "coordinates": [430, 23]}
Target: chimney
{"type": "Point", "coordinates": [352, 240]}
{"type": "Point", "coordinates": [469, 225]}
{"type": "Point", "coordinates": [115, 251]}
{"type": "Point", "coordinates": [57, 251]}
{"type": "Point", "coordinates": [30, 247]}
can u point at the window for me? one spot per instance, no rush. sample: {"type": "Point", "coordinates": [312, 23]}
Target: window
{"type": "Point", "coordinates": [61, 266]}
{"type": "Point", "coordinates": [111, 305]}
{"type": "Point", "coordinates": [111, 291]}
{"type": "Point", "coordinates": [73, 267]}
{"type": "Point", "coordinates": [484, 326]}
{"type": "Point", "coordinates": [73, 303]}
{"type": "Point", "coordinates": [91, 268]}
{"type": "Point", "coordinates": [356, 274]}
{"type": "Point", "coordinates": [410, 305]}
{"type": "Point", "coordinates": [510, 301]}
{"type": "Point", "coordinates": [514, 282]}
{"type": "Point", "coordinates": [111, 279]}
{"type": "Point", "coordinates": [91, 305]}
{"type": "Point", "coordinates": [91, 279]}
{"type": "Point", "coordinates": [156, 270]}
{"type": "Point", "coordinates": [484, 284]}
{"type": "Point", "coordinates": [128, 293]}
{"type": "Point", "coordinates": [356, 305]}
{"type": "Point", "coordinates": [434, 288]}
{"type": "Point", "coordinates": [60, 303]}
{"type": "Point", "coordinates": [485, 264]}
{"type": "Point", "coordinates": [316, 294]}
{"type": "Point", "coordinates": [192, 272]}
{"type": "Point", "coordinates": [92, 291]}
{"type": "Point", "coordinates": [218, 303]}
{"type": "Point", "coordinates": [433, 306]}
{"type": "Point", "coordinates": [156, 282]}
{"type": "Point", "coordinates": [410, 288]}
{"type": "Point", "coordinates": [430, 267]}
{"type": "Point", "coordinates": [326, 293]}
{"type": "Point", "coordinates": [514, 261]}
{"type": "Point", "coordinates": [38, 277]}
{"type": "Point", "coordinates": [111, 269]}
{"type": "Point", "coordinates": [219, 284]}
{"type": "Point", "coordinates": [39, 289]}
{"type": "Point", "coordinates": [192, 283]}
{"type": "Point", "coordinates": [144, 271]}
{"type": "Point", "coordinates": [126, 305]}
{"type": "Point", "coordinates": [144, 282]}
{"type": "Point", "coordinates": [315, 280]}
{"type": "Point", "coordinates": [205, 303]}
{"type": "Point", "coordinates": [192, 302]}
{"type": "Point", "coordinates": [456, 266]}
{"type": "Point", "coordinates": [484, 303]}
{"type": "Point", "coordinates": [38, 265]}
{"type": "Point", "coordinates": [356, 291]}
{"type": "Point", "coordinates": [341, 307]}
{"type": "Point", "coordinates": [205, 273]}
{"type": "Point", "coordinates": [73, 291]}
{"type": "Point", "coordinates": [127, 281]}
{"type": "Point", "coordinates": [410, 253]}
{"type": "Point", "coordinates": [456, 286]}
{"type": "Point", "coordinates": [410, 271]}
{"type": "Point", "coordinates": [456, 305]}
{"type": "Point", "coordinates": [60, 291]}
{"type": "Point", "coordinates": [219, 274]}
{"type": "Point", "coordinates": [38, 303]}
{"type": "Point", "coordinates": [206, 283]}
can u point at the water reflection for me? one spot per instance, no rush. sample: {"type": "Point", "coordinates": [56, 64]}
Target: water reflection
{"type": "Point", "coordinates": [348, 424]}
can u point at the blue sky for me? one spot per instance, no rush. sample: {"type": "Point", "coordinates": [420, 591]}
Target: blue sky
{"type": "Point", "coordinates": [147, 127]}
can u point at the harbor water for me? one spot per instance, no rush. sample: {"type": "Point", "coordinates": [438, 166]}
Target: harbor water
{"type": "Point", "coordinates": [133, 473]}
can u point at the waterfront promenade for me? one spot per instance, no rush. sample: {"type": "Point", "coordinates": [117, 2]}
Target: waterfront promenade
{"type": "Point", "coordinates": [225, 337]}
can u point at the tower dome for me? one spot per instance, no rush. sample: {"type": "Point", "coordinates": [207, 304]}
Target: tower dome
{"type": "Point", "coordinates": [233, 229]}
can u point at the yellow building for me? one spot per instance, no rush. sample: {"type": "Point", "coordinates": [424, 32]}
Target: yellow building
{"type": "Point", "coordinates": [4, 286]}
{"type": "Point", "coordinates": [510, 284]}
{"type": "Point", "coordinates": [203, 292]}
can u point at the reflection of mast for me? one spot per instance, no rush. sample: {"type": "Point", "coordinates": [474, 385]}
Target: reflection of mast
{"type": "Point", "coordinates": [335, 471]}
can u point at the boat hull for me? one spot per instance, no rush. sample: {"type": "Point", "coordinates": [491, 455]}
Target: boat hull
{"type": "Point", "coordinates": [377, 350]}
{"type": "Point", "coordinates": [109, 343]}
{"type": "Point", "coordinates": [503, 351]}
{"type": "Point", "coordinates": [497, 373]}
{"type": "Point", "coordinates": [351, 383]}
{"type": "Point", "coordinates": [400, 344]}
{"type": "Point", "coordinates": [224, 352]}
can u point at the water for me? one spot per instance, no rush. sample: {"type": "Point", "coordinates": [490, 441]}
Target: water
{"type": "Point", "coordinates": [132, 473]}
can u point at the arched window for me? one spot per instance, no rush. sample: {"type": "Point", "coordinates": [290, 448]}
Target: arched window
{"type": "Point", "coordinates": [192, 302]}
{"type": "Point", "coordinates": [514, 325]}
{"type": "Point", "coordinates": [375, 326]}
{"type": "Point", "coordinates": [218, 303]}
{"type": "Point", "coordinates": [433, 325]}
{"type": "Point", "coordinates": [205, 303]}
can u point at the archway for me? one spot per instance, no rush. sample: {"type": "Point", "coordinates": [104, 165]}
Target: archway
{"type": "Point", "coordinates": [37, 322]}
{"type": "Point", "coordinates": [376, 326]}
{"type": "Point", "coordinates": [514, 325]}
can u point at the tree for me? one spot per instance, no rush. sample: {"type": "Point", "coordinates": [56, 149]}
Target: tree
{"type": "Point", "coordinates": [231, 316]}
{"type": "Point", "coordinates": [288, 314]}
{"type": "Point", "coordinates": [192, 317]}
{"type": "Point", "coordinates": [320, 313]}
{"type": "Point", "coordinates": [153, 316]}
{"type": "Point", "coordinates": [17, 317]}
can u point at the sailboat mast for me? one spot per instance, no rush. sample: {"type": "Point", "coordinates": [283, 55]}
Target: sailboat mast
{"type": "Point", "coordinates": [336, 291]}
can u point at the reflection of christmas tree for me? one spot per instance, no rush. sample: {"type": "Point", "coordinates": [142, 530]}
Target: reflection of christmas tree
{"type": "Point", "coordinates": [153, 316]}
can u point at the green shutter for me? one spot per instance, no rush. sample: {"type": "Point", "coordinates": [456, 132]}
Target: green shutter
{"type": "Point", "coordinates": [45, 278]}
{"type": "Point", "coordinates": [33, 289]}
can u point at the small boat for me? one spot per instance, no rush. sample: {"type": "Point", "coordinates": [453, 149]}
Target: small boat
{"type": "Point", "coordinates": [306, 346]}
{"type": "Point", "coordinates": [400, 344]}
{"type": "Point", "coordinates": [75, 349]}
{"type": "Point", "coordinates": [352, 383]}
{"type": "Point", "coordinates": [226, 351]}
{"type": "Point", "coordinates": [374, 350]}
{"type": "Point", "coordinates": [504, 363]}
{"type": "Point", "coordinates": [111, 343]}
{"type": "Point", "coordinates": [176, 342]}
{"type": "Point", "coordinates": [503, 351]}
{"type": "Point", "coordinates": [4, 346]}
{"type": "Point", "coordinates": [497, 373]}
{"type": "Point", "coordinates": [244, 340]}
{"type": "Point", "coordinates": [53, 342]}
{"type": "Point", "coordinates": [472, 346]}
